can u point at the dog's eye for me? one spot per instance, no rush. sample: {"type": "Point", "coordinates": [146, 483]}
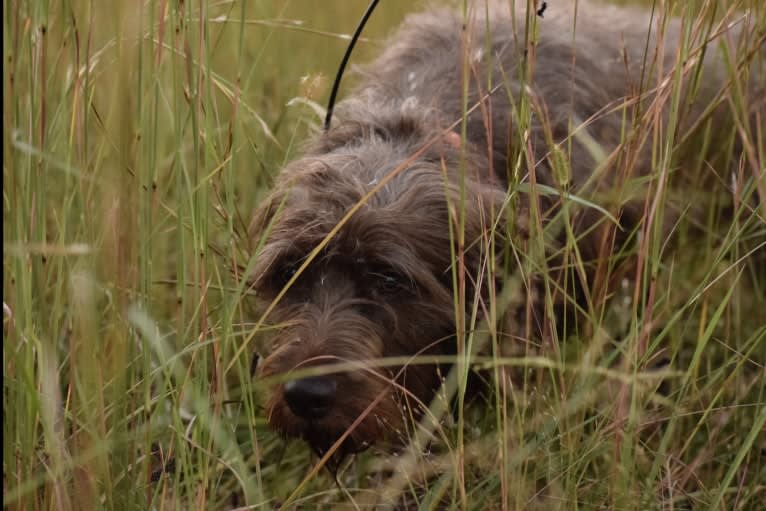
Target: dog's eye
{"type": "Point", "coordinates": [289, 272]}
{"type": "Point", "coordinates": [391, 283]}
{"type": "Point", "coordinates": [283, 274]}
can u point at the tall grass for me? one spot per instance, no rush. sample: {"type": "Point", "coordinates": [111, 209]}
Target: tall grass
{"type": "Point", "coordinates": [137, 139]}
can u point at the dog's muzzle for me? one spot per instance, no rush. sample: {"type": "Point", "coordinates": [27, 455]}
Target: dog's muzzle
{"type": "Point", "coordinates": [311, 398]}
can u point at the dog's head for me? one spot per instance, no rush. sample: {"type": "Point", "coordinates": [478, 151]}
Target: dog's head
{"type": "Point", "coordinates": [356, 269]}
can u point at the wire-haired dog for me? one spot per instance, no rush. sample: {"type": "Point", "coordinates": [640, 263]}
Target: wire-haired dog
{"type": "Point", "coordinates": [436, 184]}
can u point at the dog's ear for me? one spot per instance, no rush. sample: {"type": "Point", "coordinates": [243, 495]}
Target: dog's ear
{"type": "Point", "coordinates": [487, 215]}
{"type": "Point", "coordinates": [495, 225]}
{"type": "Point", "coordinates": [261, 218]}
{"type": "Point", "coordinates": [479, 203]}
{"type": "Point", "coordinates": [478, 210]}
{"type": "Point", "coordinates": [264, 217]}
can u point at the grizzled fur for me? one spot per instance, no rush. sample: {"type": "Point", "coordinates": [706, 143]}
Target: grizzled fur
{"type": "Point", "coordinates": [382, 283]}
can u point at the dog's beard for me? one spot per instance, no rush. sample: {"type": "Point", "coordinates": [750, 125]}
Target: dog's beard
{"type": "Point", "coordinates": [352, 425]}
{"type": "Point", "coordinates": [375, 402]}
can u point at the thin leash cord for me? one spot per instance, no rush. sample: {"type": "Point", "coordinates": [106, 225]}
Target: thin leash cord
{"type": "Point", "coordinates": [336, 84]}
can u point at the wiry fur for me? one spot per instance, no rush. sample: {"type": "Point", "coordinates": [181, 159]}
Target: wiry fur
{"type": "Point", "coordinates": [382, 286]}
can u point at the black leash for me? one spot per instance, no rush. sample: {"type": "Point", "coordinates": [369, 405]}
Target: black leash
{"type": "Point", "coordinates": [336, 84]}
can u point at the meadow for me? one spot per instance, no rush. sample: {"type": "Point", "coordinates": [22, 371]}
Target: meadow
{"type": "Point", "coordinates": [139, 137]}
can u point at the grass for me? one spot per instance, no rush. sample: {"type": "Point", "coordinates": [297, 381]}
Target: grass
{"type": "Point", "coordinates": [138, 137]}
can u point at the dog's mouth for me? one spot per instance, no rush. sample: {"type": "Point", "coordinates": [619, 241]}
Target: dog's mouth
{"type": "Point", "coordinates": [338, 436]}
{"type": "Point", "coordinates": [324, 441]}
{"type": "Point", "coordinates": [331, 417]}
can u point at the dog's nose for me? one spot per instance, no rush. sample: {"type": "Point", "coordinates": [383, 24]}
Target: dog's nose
{"type": "Point", "coordinates": [311, 398]}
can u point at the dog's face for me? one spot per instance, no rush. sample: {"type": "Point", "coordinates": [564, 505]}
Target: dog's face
{"type": "Point", "coordinates": [380, 287]}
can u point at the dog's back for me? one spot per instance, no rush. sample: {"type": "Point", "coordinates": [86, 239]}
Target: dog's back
{"type": "Point", "coordinates": [583, 77]}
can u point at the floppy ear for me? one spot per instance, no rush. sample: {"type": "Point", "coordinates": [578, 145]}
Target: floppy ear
{"type": "Point", "coordinates": [497, 246]}
{"type": "Point", "coordinates": [261, 219]}
{"type": "Point", "coordinates": [265, 214]}
{"type": "Point", "coordinates": [263, 222]}
{"type": "Point", "coordinates": [480, 203]}
{"type": "Point", "coordinates": [477, 210]}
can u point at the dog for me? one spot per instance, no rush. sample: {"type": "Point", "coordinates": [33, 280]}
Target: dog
{"type": "Point", "coordinates": [440, 181]}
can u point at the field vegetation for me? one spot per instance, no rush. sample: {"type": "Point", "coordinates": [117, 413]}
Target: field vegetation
{"type": "Point", "coordinates": [138, 138]}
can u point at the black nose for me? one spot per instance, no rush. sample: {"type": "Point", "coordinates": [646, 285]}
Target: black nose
{"type": "Point", "coordinates": [311, 398]}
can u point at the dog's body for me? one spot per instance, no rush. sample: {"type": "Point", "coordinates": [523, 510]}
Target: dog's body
{"type": "Point", "coordinates": [392, 213]}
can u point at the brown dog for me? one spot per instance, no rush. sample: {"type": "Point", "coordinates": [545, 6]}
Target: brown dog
{"type": "Point", "coordinates": [438, 182]}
